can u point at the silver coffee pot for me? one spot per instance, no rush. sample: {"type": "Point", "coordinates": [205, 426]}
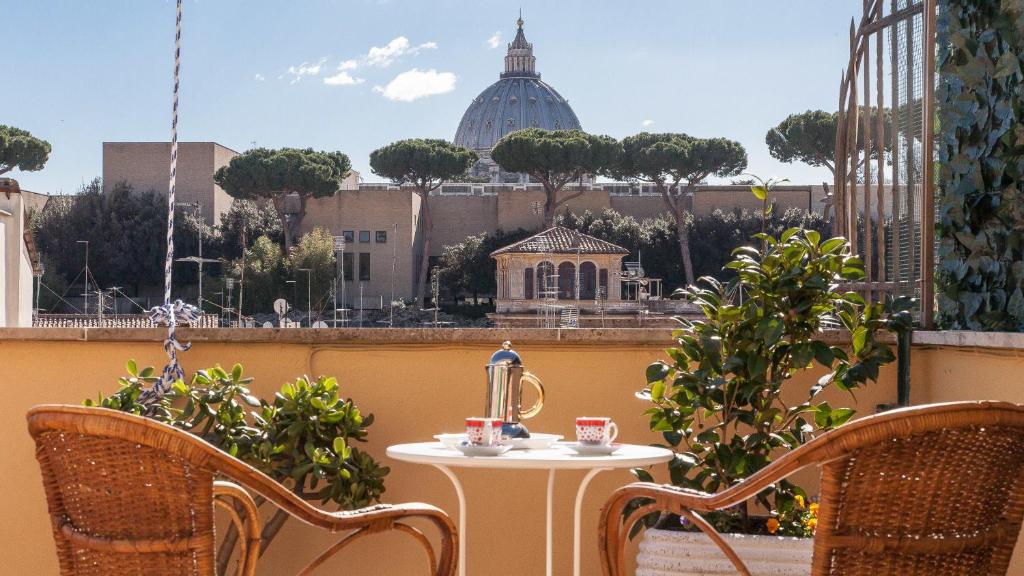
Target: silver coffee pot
{"type": "Point", "coordinates": [505, 377]}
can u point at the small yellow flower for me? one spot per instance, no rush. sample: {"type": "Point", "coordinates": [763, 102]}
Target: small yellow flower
{"type": "Point", "coordinates": [773, 525]}
{"type": "Point", "coordinates": [812, 524]}
{"type": "Point", "coordinates": [799, 501]}
{"type": "Point", "coordinates": [814, 508]}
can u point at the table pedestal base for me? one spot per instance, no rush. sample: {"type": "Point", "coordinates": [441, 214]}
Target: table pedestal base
{"type": "Point", "coordinates": [549, 518]}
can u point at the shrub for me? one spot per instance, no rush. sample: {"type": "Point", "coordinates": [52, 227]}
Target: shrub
{"type": "Point", "coordinates": [302, 438]}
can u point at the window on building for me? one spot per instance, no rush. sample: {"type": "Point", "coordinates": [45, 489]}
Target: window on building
{"type": "Point", "coordinates": [382, 237]}
{"type": "Point", "coordinates": [346, 265]}
{"type": "Point", "coordinates": [566, 281]}
{"type": "Point", "coordinates": [528, 283]}
{"type": "Point", "coordinates": [602, 276]}
{"type": "Point", "coordinates": [364, 236]}
{"type": "Point", "coordinates": [364, 266]}
{"type": "Point", "coordinates": [349, 235]}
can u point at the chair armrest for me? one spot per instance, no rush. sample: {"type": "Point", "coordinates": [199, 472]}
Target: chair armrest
{"type": "Point", "coordinates": [688, 503]}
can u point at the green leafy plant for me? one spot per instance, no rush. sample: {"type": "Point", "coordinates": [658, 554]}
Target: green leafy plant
{"type": "Point", "coordinates": [718, 400]}
{"type": "Point", "coordinates": [980, 272]}
{"type": "Point", "coordinates": [303, 437]}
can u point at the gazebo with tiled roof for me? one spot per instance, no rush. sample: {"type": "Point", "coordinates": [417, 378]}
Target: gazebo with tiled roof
{"type": "Point", "coordinates": [558, 264]}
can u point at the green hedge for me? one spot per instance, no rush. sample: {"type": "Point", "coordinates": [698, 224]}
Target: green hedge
{"type": "Point", "coordinates": [981, 151]}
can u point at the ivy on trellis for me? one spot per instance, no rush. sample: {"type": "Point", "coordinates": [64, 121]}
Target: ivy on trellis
{"type": "Point", "coordinates": [981, 151]}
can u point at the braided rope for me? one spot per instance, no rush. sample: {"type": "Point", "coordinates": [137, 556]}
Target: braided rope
{"type": "Point", "coordinates": [170, 313]}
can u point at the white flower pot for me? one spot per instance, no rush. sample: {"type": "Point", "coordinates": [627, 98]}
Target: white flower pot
{"type": "Point", "coordinates": [668, 553]}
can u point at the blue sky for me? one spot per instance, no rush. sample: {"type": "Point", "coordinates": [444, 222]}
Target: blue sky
{"type": "Point", "coordinates": [354, 75]}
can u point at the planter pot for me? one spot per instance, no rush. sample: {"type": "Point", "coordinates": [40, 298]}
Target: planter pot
{"type": "Point", "coordinates": [669, 553]}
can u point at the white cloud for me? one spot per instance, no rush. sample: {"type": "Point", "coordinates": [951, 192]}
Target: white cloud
{"type": "Point", "coordinates": [348, 65]}
{"type": "Point", "coordinates": [305, 69]}
{"type": "Point", "coordinates": [647, 123]}
{"type": "Point", "coordinates": [383, 56]}
{"type": "Point", "coordinates": [495, 40]}
{"type": "Point", "coordinates": [260, 77]}
{"type": "Point", "coordinates": [343, 78]}
{"type": "Point", "coordinates": [415, 84]}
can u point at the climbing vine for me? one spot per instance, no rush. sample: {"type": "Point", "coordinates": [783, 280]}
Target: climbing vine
{"type": "Point", "coordinates": [981, 151]}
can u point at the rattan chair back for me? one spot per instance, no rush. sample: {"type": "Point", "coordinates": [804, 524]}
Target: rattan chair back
{"type": "Point", "coordinates": [131, 496]}
{"type": "Point", "coordinates": [925, 491]}
{"type": "Point", "coordinates": [919, 491]}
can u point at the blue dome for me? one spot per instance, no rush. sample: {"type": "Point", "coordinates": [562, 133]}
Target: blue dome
{"type": "Point", "coordinates": [511, 104]}
{"type": "Point", "coordinates": [520, 99]}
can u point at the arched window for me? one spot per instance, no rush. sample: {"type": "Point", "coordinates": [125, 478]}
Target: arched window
{"type": "Point", "coordinates": [566, 281]}
{"type": "Point", "coordinates": [588, 281]}
{"type": "Point", "coordinates": [528, 283]}
{"type": "Point", "coordinates": [547, 284]}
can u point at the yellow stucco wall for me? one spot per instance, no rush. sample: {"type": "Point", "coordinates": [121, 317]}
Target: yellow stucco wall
{"type": "Point", "coordinates": [417, 385]}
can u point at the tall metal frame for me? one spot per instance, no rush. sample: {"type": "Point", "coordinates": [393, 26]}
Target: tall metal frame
{"type": "Point", "coordinates": [885, 180]}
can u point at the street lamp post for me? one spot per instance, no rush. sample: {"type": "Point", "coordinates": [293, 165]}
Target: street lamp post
{"type": "Point", "coordinates": [199, 219]}
{"type": "Point", "coordinates": [86, 292]}
{"type": "Point", "coordinates": [339, 262]}
{"type": "Point", "coordinates": [295, 293]}
{"type": "Point", "coordinates": [309, 295]}
{"type": "Point", "coordinates": [229, 286]}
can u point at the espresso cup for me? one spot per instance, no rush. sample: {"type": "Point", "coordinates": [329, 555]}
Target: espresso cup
{"type": "Point", "coordinates": [483, 431]}
{"type": "Point", "coordinates": [596, 430]}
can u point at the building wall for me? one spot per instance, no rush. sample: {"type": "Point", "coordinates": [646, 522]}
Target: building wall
{"type": "Point", "coordinates": [16, 280]}
{"type": "Point", "coordinates": [375, 210]}
{"type": "Point", "coordinates": [146, 166]}
{"type": "Point", "coordinates": [419, 383]}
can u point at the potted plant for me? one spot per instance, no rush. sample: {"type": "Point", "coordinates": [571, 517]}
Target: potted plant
{"type": "Point", "coordinates": [302, 437]}
{"type": "Point", "coordinates": [718, 399]}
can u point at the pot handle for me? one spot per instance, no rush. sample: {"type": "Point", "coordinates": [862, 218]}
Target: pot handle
{"type": "Point", "coordinates": [535, 409]}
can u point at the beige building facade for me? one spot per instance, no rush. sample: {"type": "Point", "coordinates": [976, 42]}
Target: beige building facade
{"type": "Point", "coordinates": [17, 256]}
{"type": "Point", "coordinates": [147, 166]}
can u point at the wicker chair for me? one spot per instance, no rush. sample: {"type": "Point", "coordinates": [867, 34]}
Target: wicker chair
{"type": "Point", "coordinates": [128, 495]}
{"type": "Point", "coordinates": [919, 491]}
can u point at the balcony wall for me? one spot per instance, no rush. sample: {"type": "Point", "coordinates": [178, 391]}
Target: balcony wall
{"type": "Point", "coordinates": [419, 383]}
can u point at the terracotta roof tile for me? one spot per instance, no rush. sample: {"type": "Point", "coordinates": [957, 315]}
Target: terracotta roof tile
{"type": "Point", "coordinates": [560, 240]}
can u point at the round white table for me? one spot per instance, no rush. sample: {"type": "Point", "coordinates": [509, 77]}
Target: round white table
{"type": "Point", "coordinates": [551, 459]}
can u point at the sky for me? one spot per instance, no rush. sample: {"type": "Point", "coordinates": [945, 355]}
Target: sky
{"type": "Point", "coordinates": [354, 75]}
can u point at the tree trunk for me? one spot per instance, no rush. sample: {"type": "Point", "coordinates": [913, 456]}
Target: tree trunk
{"type": "Point", "coordinates": [683, 233]}
{"type": "Point", "coordinates": [550, 204]}
{"type": "Point", "coordinates": [278, 202]}
{"type": "Point", "coordinates": [428, 226]}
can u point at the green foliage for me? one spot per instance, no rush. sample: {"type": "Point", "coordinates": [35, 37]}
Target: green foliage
{"type": "Point", "coordinates": [981, 205]}
{"type": "Point", "coordinates": [424, 163]}
{"type": "Point", "coordinates": [314, 251]}
{"type": "Point", "coordinates": [674, 158]}
{"type": "Point", "coordinates": [555, 158]}
{"type": "Point", "coordinates": [667, 160]}
{"type": "Point", "coordinates": [265, 173]}
{"type": "Point", "coordinates": [810, 137]}
{"type": "Point", "coordinates": [256, 218]}
{"type": "Point", "coordinates": [126, 230]}
{"type": "Point", "coordinates": [467, 268]}
{"type": "Point", "coordinates": [20, 149]}
{"type": "Point", "coordinates": [714, 237]}
{"type": "Point", "coordinates": [302, 438]}
{"type": "Point", "coordinates": [274, 174]}
{"type": "Point", "coordinates": [718, 399]}
{"type": "Point", "coordinates": [264, 275]}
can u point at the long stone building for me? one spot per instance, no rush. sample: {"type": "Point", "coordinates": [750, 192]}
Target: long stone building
{"type": "Point", "coordinates": [380, 220]}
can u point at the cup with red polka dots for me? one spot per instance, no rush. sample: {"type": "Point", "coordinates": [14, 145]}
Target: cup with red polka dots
{"type": "Point", "coordinates": [483, 431]}
{"type": "Point", "coordinates": [596, 430]}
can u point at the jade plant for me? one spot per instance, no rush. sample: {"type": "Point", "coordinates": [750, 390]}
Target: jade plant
{"type": "Point", "coordinates": [303, 437]}
{"type": "Point", "coordinates": [718, 400]}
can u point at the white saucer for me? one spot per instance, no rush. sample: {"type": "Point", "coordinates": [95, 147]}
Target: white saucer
{"type": "Point", "coordinates": [450, 440]}
{"type": "Point", "coordinates": [536, 441]}
{"type": "Point", "coordinates": [592, 449]}
{"type": "Point", "coordinates": [472, 450]}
